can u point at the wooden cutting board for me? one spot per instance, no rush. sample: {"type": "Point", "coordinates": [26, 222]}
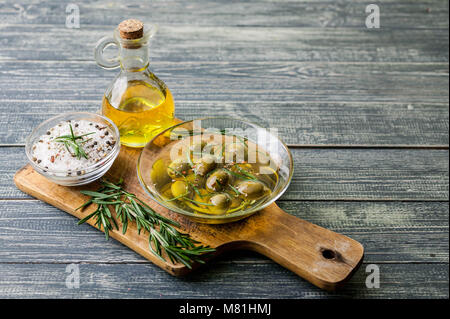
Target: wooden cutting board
{"type": "Point", "coordinates": [323, 257]}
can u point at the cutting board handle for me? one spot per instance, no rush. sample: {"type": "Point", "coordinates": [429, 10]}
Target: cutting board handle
{"type": "Point", "coordinates": [321, 256]}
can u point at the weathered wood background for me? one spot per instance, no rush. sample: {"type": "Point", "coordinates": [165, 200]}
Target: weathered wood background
{"type": "Point", "coordinates": [364, 111]}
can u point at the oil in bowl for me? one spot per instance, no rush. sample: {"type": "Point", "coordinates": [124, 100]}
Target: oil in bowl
{"type": "Point", "coordinates": [215, 177]}
{"type": "Point", "coordinates": [221, 175]}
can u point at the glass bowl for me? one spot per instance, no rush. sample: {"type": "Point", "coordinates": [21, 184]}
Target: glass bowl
{"type": "Point", "coordinates": [265, 139]}
{"type": "Point", "coordinates": [92, 172]}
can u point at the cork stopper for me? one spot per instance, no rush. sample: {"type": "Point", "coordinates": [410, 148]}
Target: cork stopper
{"type": "Point", "coordinates": [131, 29]}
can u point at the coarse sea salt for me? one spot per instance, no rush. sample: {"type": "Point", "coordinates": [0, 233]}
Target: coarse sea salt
{"type": "Point", "coordinates": [52, 155]}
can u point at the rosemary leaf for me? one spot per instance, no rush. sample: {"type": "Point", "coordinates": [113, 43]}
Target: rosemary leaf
{"type": "Point", "coordinates": [240, 175]}
{"type": "Point", "coordinates": [163, 237]}
{"type": "Point", "coordinates": [235, 189]}
{"type": "Point", "coordinates": [176, 197]}
{"type": "Point", "coordinates": [197, 202]}
{"type": "Point", "coordinates": [71, 143]}
{"type": "Point", "coordinates": [243, 171]}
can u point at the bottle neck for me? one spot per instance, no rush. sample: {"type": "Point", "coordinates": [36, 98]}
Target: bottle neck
{"type": "Point", "coordinates": [135, 58]}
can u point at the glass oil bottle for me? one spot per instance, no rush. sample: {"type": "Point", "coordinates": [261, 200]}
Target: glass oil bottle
{"type": "Point", "coordinates": [137, 101]}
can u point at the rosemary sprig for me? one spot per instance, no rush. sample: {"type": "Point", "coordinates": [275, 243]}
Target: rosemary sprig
{"type": "Point", "coordinates": [197, 202]}
{"type": "Point", "coordinates": [243, 171]}
{"type": "Point", "coordinates": [163, 236]}
{"type": "Point", "coordinates": [195, 188]}
{"type": "Point", "coordinates": [242, 140]}
{"type": "Point", "coordinates": [103, 218]}
{"type": "Point", "coordinates": [235, 190]}
{"type": "Point", "coordinates": [244, 177]}
{"type": "Point", "coordinates": [177, 197]}
{"type": "Point", "coordinates": [188, 157]}
{"type": "Point", "coordinates": [71, 142]}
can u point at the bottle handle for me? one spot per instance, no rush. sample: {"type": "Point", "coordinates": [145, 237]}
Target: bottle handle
{"type": "Point", "coordinates": [151, 29]}
{"type": "Point", "coordinates": [101, 45]}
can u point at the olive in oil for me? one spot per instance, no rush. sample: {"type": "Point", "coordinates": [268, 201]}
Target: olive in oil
{"type": "Point", "coordinates": [218, 176]}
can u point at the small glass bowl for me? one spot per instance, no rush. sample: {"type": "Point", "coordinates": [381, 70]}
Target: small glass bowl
{"type": "Point", "coordinates": [264, 138]}
{"type": "Point", "coordinates": [92, 172]}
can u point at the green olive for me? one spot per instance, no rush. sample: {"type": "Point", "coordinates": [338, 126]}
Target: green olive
{"type": "Point", "coordinates": [213, 149]}
{"type": "Point", "coordinates": [205, 164]}
{"type": "Point", "coordinates": [177, 167]}
{"type": "Point", "coordinates": [179, 188]}
{"type": "Point", "coordinates": [217, 181]}
{"type": "Point", "coordinates": [252, 190]}
{"type": "Point", "coordinates": [221, 203]}
{"type": "Point", "coordinates": [196, 180]}
{"type": "Point", "coordinates": [159, 174]}
{"type": "Point", "coordinates": [198, 145]}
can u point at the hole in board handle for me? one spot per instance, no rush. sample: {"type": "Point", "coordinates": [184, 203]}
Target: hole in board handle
{"type": "Point", "coordinates": [328, 254]}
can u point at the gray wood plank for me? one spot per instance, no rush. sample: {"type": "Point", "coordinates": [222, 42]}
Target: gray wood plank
{"type": "Point", "coordinates": [369, 174]}
{"type": "Point", "coordinates": [246, 59]}
{"type": "Point", "coordinates": [391, 232]}
{"type": "Point", "coordinates": [346, 13]}
{"type": "Point", "coordinates": [239, 82]}
{"type": "Point", "coordinates": [329, 174]}
{"type": "Point", "coordinates": [221, 279]}
{"type": "Point", "coordinates": [235, 44]}
{"type": "Point", "coordinates": [298, 123]}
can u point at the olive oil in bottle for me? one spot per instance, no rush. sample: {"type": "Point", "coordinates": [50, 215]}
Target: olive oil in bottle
{"type": "Point", "coordinates": [142, 112]}
{"type": "Point", "coordinates": [138, 102]}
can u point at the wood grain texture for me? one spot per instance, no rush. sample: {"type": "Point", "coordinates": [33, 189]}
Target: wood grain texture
{"type": "Point", "coordinates": [322, 257]}
{"type": "Point", "coordinates": [330, 174]}
{"type": "Point", "coordinates": [235, 44]}
{"type": "Point", "coordinates": [345, 13]}
{"type": "Point", "coordinates": [237, 82]}
{"type": "Point", "coordinates": [392, 232]}
{"type": "Point", "coordinates": [298, 123]}
{"type": "Point", "coordinates": [391, 89]}
{"type": "Point", "coordinates": [221, 279]}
